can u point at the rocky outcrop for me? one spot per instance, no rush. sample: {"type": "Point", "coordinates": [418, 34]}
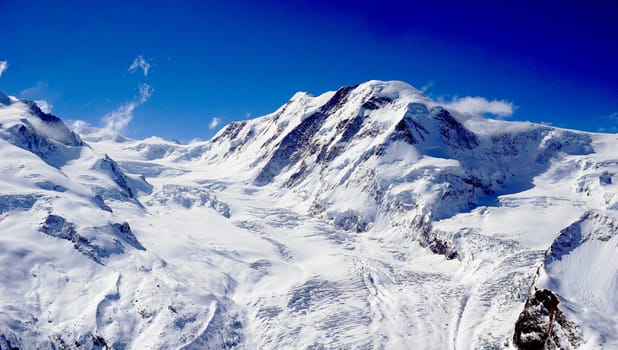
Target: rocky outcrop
{"type": "Point", "coordinates": [97, 243]}
{"type": "Point", "coordinates": [542, 325]}
{"type": "Point", "coordinates": [53, 127]}
{"type": "Point", "coordinates": [298, 144]}
{"type": "Point", "coordinates": [603, 229]}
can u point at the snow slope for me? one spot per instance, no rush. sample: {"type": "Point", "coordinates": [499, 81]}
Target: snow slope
{"type": "Point", "coordinates": [368, 217]}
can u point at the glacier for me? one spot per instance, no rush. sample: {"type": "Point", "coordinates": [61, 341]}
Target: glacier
{"type": "Point", "coordinates": [371, 217]}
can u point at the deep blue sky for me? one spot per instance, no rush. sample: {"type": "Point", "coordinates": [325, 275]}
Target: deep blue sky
{"type": "Point", "coordinates": [557, 62]}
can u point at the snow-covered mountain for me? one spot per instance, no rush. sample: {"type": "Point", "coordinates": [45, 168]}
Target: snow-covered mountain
{"type": "Point", "coordinates": [367, 217]}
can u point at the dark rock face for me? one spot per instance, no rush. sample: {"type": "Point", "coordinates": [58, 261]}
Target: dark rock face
{"type": "Point", "coordinates": [349, 127]}
{"type": "Point", "coordinates": [298, 175]}
{"type": "Point", "coordinates": [567, 142]}
{"type": "Point", "coordinates": [297, 144]}
{"type": "Point", "coordinates": [48, 137]}
{"type": "Point", "coordinates": [17, 201]}
{"type": "Point", "coordinates": [433, 240]}
{"type": "Point", "coordinates": [124, 231]}
{"type": "Point", "coordinates": [574, 235]}
{"type": "Point", "coordinates": [57, 226]}
{"type": "Point", "coordinates": [407, 127]}
{"type": "Point", "coordinates": [376, 103]}
{"type": "Point", "coordinates": [542, 325]}
{"type": "Point", "coordinates": [453, 132]}
{"type": "Point", "coordinates": [438, 246]}
{"type": "Point", "coordinates": [61, 132]}
{"type": "Point", "coordinates": [52, 152]}
{"type": "Point", "coordinates": [97, 243]}
{"type": "Point", "coordinates": [605, 178]}
{"type": "Point", "coordinates": [100, 202]}
{"type": "Point", "coordinates": [26, 138]}
{"type": "Point", "coordinates": [402, 133]}
{"type": "Point", "coordinates": [99, 343]}
{"type": "Point", "coordinates": [231, 131]}
{"type": "Point", "coordinates": [9, 342]}
{"type": "Point", "coordinates": [119, 177]}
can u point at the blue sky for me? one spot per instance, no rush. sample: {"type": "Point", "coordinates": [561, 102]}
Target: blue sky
{"type": "Point", "coordinates": [556, 62]}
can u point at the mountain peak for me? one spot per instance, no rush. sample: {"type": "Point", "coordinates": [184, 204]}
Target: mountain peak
{"type": "Point", "coordinates": [361, 138]}
{"type": "Point", "coordinates": [307, 216]}
{"type": "Point", "coordinates": [392, 89]}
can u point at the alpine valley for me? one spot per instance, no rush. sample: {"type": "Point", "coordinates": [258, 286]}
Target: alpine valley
{"type": "Point", "coordinates": [370, 217]}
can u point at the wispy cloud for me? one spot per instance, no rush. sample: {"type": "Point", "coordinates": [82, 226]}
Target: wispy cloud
{"type": "Point", "coordinates": [3, 66]}
{"type": "Point", "coordinates": [145, 91]}
{"type": "Point", "coordinates": [613, 119]}
{"type": "Point", "coordinates": [214, 122]}
{"type": "Point", "coordinates": [41, 94]}
{"type": "Point", "coordinates": [428, 85]}
{"type": "Point", "coordinates": [35, 91]}
{"type": "Point", "coordinates": [117, 120]}
{"type": "Point", "coordinates": [480, 105]}
{"type": "Point", "coordinates": [139, 63]}
{"type": "Point", "coordinates": [45, 106]}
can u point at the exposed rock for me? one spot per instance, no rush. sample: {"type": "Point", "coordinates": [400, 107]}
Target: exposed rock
{"type": "Point", "coordinates": [110, 166]}
{"type": "Point", "coordinates": [293, 147]}
{"type": "Point", "coordinates": [97, 243]}
{"type": "Point", "coordinates": [230, 132]}
{"type": "Point", "coordinates": [17, 201]}
{"type": "Point", "coordinates": [124, 231]}
{"type": "Point", "coordinates": [542, 325]}
{"type": "Point", "coordinates": [603, 228]}
{"type": "Point", "coordinates": [453, 132]}
{"type": "Point", "coordinates": [53, 127]}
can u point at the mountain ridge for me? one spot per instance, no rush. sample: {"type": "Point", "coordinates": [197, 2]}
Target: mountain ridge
{"type": "Point", "coordinates": [370, 216]}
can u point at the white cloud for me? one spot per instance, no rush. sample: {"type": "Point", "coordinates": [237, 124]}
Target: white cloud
{"type": "Point", "coordinates": [139, 62]}
{"type": "Point", "coordinates": [45, 106]}
{"type": "Point", "coordinates": [145, 91]}
{"type": "Point", "coordinates": [35, 91]}
{"type": "Point", "coordinates": [3, 66]}
{"type": "Point", "coordinates": [479, 105]}
{"type": "Point", "coordinates": [79, 126]}
{"type": "Point", "coordinates": [428, 85]}
{"type": "Point", "coordinates": [118, 119]}
{"type": "Point", "coordinates": [214, 122]}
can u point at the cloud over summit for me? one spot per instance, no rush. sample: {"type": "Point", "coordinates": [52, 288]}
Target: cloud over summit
{"type": "Point", "coordinates": [480, 105]}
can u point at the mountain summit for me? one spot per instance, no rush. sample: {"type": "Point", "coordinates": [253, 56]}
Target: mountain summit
{"type": "Point", "coordinates": [367, 217]}
{"type": "Point", "coordinates": [388, 144]}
